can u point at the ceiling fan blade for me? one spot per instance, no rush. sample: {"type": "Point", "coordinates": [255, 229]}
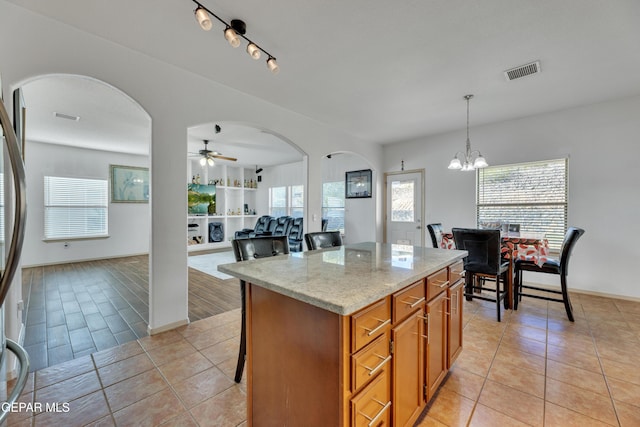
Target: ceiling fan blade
{"type": "Point", "coordinates": [217, 156]}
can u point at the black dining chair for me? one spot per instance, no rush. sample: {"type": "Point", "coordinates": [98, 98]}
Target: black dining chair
{"type": "Point", "coordinates": [248, 249]}
{"type": "Point", "coordinates": [435, 230]}
{"type": "Point", "coordinates": [323, 239]}
{"type": "Point", "coordinates": [483, 264]}
{"type": "Point", "coordinates": [552, 266]}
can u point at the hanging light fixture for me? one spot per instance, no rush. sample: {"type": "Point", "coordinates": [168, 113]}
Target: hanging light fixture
{"type": "Point", "coordinates": [233, 31]}
{"type": "Point", "coordinates": [465, 161]}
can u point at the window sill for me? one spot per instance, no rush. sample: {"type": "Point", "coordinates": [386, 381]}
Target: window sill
{"type": "Point", "coordinates": [75, 239]}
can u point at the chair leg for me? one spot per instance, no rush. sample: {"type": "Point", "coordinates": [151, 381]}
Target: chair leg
{"type": "Point", "coordinates": [516, 288]}
{"type": "Point", "coordinates": [468, 284]}
{"type": "Point", "coordinates": [242, 354]}
{"type": "Point", "coordinates": [498, 295]}
{"type": "Point", "coordinates": [565, 297]}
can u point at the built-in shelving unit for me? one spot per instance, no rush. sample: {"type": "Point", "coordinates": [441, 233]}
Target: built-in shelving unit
{"type": "Point", "coordinates": [236, 187]}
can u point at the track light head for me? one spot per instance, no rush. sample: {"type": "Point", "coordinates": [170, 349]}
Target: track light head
{"type": "Point", "coordinates": [232, 37]}
{"type": "Point", "coordinates": [258, 170]}
{"type": "Point", "coordinates": [203, 18]}
{"type": "Point", "coordinates": [253, 51]}
{"type": "Point", "coordinates": [272, 65]}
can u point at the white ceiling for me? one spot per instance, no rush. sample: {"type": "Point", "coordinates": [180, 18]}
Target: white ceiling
{"type": "Point", "coordinates": [388, 71]}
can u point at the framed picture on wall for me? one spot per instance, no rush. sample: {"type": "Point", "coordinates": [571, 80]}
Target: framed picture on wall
{"type": "Point", "coordinates": [358, 184]}
{"type": "Point", "coordinates": [129, 184]}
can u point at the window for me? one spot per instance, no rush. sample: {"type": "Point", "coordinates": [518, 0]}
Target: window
{"type": "Point", "coordinates": [333, 205]}
{"type": "Point", "coordinates": [402, 200]}
{"type": "Point", "coordinates": [533, 195]}
{"type": "Point", "coordinates": [286, 201]}
{"type": "Point", "coordinates": [75, 207]}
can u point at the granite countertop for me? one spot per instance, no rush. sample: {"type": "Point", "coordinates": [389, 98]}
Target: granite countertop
{"type": "Point", "coordinates": [345, 279]}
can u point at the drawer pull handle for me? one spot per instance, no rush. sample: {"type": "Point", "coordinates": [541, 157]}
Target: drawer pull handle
{"type": "Point", "coordinates": [376, 329]}
{"type": "Point", "coordinates": [441, 285]}
{"type": "Point", "coordinates": [413, 304]}
{"type": "Point", "coordinates": [373, 420]}
{"type": "Point", "coordinates": [380, 365]}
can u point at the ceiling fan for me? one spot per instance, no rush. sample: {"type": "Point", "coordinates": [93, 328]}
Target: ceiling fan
{"type": "Point", "coordinates": [207, 156]}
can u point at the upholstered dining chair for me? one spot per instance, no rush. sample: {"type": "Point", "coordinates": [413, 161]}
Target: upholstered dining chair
{"type": "Point", "coordinates": [552, 266]}
{"type": "Point", "coordinates": [435, 230]}
{"type": "Point", "coordinates": [483, 262]}
{"type": "Point", "coordinates": [248, 249]}
{"type": "Point", "coordinates": [323, 239]}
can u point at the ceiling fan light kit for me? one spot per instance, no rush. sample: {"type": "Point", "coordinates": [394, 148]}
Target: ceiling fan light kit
{"type": "Point", "coordinates": [233, 31]}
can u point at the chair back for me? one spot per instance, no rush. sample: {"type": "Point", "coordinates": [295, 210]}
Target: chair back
{"type": "Point", "coordinates": [260, 247]}
{"type": "Point", "coordinates": [323, 239]}
{"type": "Point", "coordinates": [435, 230]}
{"type": "Point", "coordinates": [325, 223]}
{"type": "Point", "coordinates": [513, 228]}
{"type": "Point", "coordinates": [282, 226]}
{"type": "Point", "coordinates": [570, 239]}
{"type": "Point", "coordinates": [295, 230]}
{"type": "Point", "coordinates": [483, 247]}
{"type": "Point", "coordinates": [262, 223]}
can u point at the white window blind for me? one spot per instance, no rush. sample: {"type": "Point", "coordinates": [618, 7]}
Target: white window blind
{"type": "Point", "coordinates": [75, 207]}
{"type": "Point", "coordinates": [533, 195]}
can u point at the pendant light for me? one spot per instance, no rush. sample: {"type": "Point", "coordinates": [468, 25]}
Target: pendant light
{"type": "Point", "coordinates": [466, 161]}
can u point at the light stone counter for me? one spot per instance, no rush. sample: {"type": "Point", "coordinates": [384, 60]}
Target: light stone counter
{"type": "Point", "coordinates": [343, 280]}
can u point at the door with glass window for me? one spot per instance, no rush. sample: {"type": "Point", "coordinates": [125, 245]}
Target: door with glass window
{"type": "Point", "coordinates": [404, 207]}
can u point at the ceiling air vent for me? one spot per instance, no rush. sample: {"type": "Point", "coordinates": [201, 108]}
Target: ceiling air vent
{"type": "Point", "coordinates": [66, 116]}
{"type": "Point", "coordinates": [523, 70]}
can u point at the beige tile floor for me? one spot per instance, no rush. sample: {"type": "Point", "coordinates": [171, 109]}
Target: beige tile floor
{"type": "Point", "coordinates": [534, 368]}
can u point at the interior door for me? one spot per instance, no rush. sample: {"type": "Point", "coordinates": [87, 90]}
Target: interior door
{"type": "Point", "coordinates": [404, 207]}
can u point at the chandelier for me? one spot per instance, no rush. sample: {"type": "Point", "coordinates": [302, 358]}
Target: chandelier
{"type": "Point", "coordinates": [466, 161]}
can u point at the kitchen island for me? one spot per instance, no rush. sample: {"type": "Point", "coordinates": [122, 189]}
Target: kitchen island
{"type": "Point", "coordinates": [357, 335]}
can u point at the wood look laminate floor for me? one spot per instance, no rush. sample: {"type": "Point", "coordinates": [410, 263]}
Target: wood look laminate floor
{"type": "Point", "coordinates": [535, 368]}
{"type": "Point", "coordinates": [76, 309]}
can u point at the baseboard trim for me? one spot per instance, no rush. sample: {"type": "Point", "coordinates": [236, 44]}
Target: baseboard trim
{"type": "Point", "coordinates": [82, 260]}
{"type": "Point", "coordinates": [168, 327]}
{"type": "Point", "coordinates": [585, 292]}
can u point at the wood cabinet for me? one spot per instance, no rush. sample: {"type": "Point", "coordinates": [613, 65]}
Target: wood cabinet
{"type": "Point", "coordinates": [408, 369]}
{"type": "Point", "coordinates": [436, 332]}
{"type": "Point", "coordinates": [379, 366]}
{"type": "Point", "coordinates": [454, 327]}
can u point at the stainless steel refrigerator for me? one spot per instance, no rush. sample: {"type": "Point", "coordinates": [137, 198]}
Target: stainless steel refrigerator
{"type": "Point", "coordinates": [12, 223]}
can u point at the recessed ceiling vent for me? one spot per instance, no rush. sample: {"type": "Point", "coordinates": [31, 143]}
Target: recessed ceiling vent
{"type": "Point", "coordinates": [66, 116]}
{"type": "Point", "coordinates": [523, 70]}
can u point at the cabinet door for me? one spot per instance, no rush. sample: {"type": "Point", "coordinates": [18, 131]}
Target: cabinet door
{"type": "Point", "coordinates": [408, 370]}
{"type": "Point", "coordinates": [454, 329]}
{"type": "Point", "coordinates": [436, 332]}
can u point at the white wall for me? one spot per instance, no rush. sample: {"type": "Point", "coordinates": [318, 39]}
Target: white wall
{"type": "Point", "coordinates": [601, 142]}
{"type": "Point", "coordinates": [128, 222]}
{"type": "Point", "coordinates": [359, 214]}
{"type": "Point", "coordinates": [176, 100]}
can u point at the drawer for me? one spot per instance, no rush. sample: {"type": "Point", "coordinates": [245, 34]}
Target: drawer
{"type": "Point", "coordinates": [407, 300]}
{"type": "Point", "coordinates": [437, 283]}
{"type": "Point", "coordinates": [369, 361]}
{"type": "Point", "coordinates": [370, 323]}
{"type": "Point", "coordinates": [372, 406]}
{"type": "Point", "coordinates": [456, 272]}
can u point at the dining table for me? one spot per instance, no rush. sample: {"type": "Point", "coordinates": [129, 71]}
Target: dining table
{"type": "Point", "coordinates": [528, 246]}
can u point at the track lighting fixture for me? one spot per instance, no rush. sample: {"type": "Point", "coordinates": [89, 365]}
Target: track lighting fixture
{"type": "Point", "coordinates": [258, 170]}
{"type": "Point", "coordinates": [233, 31]}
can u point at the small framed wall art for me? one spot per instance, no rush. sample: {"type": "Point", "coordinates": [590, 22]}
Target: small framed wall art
{"type": "Point", "coordinates": [358, 184]}
{"type": "Point", "coordinates": [129, 184]}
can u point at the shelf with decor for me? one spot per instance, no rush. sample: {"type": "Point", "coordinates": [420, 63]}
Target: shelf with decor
{"type": "Point", "coordinates": [221, 200]}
